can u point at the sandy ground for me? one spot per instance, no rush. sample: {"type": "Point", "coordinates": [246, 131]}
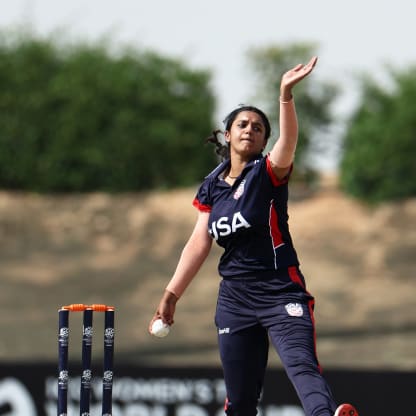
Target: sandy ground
{"type": "Point", "coordinates": [121, 250]}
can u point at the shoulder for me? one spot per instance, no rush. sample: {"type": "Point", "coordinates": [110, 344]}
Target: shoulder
{"type": "Point", "coordinates": [218, 169]}
{"type": "Point", "coordinates": [278, 176]}
{"type": "Point", "coordinates": [261, 167]}
{"type": "Point", "coordinates": [204, 198]}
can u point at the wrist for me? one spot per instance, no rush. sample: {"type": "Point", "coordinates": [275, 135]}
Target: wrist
{"type": "Point", "coordinates": [285, 95]}
{"type": "Point", "coordinates": [170, 296]}
{"type": "Point", "coordinates": [284, 100]}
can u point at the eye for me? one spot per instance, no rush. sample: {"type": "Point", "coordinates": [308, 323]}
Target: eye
{"type": "Point", "coordinates": [257, 128]}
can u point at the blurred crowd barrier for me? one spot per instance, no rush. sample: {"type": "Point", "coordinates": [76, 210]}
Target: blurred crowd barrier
{"type": "Point", "coordinates": [31, 390]}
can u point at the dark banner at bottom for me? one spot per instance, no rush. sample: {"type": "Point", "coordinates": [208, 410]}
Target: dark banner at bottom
{"type": "Point", "coordinates": [31, 390]}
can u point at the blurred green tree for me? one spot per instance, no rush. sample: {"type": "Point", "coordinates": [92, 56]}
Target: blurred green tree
{"type": "Point", "coordinates": [81, 118]}
{"type": "Point", "coordinates": [313, 98]}
{"type": "Point", "coordinates": [379, 147]}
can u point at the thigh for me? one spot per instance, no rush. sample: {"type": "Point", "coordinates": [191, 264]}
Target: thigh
{"type": "Point", "coordinates": [293, 335]}
{"type": "Point", "coordinates": [243, 345]}
{"type": "Point", "coordinates": [244, 357]}
{"type": "Point", "coordinates": [292, 332]}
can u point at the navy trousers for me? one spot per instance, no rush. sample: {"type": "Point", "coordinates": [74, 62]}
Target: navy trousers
{"type": "Point", "coordinates": [249, 314]}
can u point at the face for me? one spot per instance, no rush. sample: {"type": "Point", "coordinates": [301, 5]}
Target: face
{"type": "Point", "coordinates": [247, 134]}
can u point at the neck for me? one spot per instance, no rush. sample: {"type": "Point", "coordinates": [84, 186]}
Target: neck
{"type": "Point", "coordinates": [236, 167]}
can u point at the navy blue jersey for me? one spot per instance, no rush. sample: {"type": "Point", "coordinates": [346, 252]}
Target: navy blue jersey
{"type": "Point", "coordinates": [249, 220]}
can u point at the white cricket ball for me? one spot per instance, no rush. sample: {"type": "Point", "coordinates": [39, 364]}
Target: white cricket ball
{"type": "Point", "coordinates": [160, 329]}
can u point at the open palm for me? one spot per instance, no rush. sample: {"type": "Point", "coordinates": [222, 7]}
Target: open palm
{"type": "Point", "coordinates": [296, 74]}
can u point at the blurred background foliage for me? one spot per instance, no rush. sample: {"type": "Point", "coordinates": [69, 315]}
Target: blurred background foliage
{"type": "Point", "coordinates": [79, 118]}
{"type": "Point", "coordinates": [379, 147]}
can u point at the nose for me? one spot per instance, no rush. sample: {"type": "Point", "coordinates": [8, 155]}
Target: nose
{"type": "Point", "coordinates": [248, 128]}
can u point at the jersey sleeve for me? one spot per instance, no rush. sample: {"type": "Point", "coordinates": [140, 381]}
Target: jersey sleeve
{"type": "Point", "coordinates": [276, 181]}
{"type": "Point", "coordinates": [202, 200]}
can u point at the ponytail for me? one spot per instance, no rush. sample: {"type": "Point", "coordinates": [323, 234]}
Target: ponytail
{"type": "Point", "coordinates": [221, 149]}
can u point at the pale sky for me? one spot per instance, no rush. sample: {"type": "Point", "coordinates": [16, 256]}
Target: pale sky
{"type": "Point", "coordinates": [353, 36]}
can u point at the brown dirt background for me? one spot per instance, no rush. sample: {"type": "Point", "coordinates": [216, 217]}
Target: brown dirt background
{"type": "Point", "coordinates": [359, 263]}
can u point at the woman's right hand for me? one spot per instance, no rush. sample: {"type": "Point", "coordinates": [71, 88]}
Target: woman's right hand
{"type": "Point", "coordinates": [166, 309]}
{"type": "Point", "coordinates": [293, 76]}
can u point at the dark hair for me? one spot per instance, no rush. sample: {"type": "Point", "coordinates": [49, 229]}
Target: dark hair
{"type": "Point", "coordinates": [222, 149]}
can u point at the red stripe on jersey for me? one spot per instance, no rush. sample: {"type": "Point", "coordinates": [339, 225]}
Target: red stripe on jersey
{"type": "Point", "coordinates": [293, 273]}
{"type": "Point", "coordinates": [276, 181]}
{"type": "Point", "coordinates": [275, 233]}
{"type": "Point", "coordinates": [294, 276]}
{"type": "Point", "coordinates": [201, 207]}
{"type": "Point", "coordinates": [311, 305]}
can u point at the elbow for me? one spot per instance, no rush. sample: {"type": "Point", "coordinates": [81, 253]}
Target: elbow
{"type": "Point", "coordinates": [199, 247]}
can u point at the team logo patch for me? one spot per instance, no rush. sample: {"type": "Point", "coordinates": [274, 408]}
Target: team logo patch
{"type": "Point", "coordinates": [240, 190]}
{"type": "Point", "coordinates": [294, 309]}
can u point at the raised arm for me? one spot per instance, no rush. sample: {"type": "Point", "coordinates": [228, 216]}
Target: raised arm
{"type": "Point", "coordinates": [283, 152]}
{"type": "Point", "coordinates": [193, 256]}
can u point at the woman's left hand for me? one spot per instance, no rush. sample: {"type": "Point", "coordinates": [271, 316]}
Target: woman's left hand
{"type": "Point", "coordinates": [293, 76]}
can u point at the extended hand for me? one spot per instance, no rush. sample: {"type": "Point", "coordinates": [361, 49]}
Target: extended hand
{"type": "Point", "coordinates": [296, 74]}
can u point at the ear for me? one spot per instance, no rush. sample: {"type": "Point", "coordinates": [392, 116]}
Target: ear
{"type": "Point", "coordinates": [227, 136]}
